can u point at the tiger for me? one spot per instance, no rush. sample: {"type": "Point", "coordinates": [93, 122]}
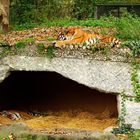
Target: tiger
{"type": "Point", "coordinates": [74, 35]}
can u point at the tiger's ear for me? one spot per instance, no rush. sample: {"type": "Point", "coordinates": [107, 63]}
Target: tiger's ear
{"type": "Point", "coordinates": [72, 29]}
{"type": "Point", "coordinates": [66, 31]}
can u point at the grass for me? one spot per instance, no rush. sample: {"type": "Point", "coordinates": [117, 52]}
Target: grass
{"type": "Point", "coordinates": [40, 48]}
{"type": "Point", "coordinates": [50, 53]}
{"type": "Point", "coordinates": [50, 38]}
{"type": "Point", "coordinates": [20, 44]}
{"type": "Point", "coordinates": [129, 27]}
{"type": "Point", "coordinates": [29, 40]}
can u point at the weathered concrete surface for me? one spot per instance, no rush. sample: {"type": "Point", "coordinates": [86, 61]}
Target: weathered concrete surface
{"type": "Point", "coordinates": [4, 72]}
{"type": "Point", "coordinates": [110, 77]}
{"type": "Point", "coordinates": [132, 112]}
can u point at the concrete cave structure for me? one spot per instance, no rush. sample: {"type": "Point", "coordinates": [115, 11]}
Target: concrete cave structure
{"type": "Point", "coordinates": [67, 83]}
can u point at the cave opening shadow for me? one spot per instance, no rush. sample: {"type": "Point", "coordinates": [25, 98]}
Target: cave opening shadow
{"type": "Point", "coordinates": [49, 91]}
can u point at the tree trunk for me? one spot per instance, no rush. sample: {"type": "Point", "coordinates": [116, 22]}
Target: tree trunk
{"type": "Point", "coordinates": [4, 14]}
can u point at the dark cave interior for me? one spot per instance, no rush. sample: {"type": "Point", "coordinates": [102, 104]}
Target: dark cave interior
{"type": "Point", "coordinates": [50, 91]}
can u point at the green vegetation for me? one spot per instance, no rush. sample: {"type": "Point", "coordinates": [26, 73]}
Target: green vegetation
{"type": "Point", "coordinates": [50, 38]}
{"type": "Point", "coordinates": [40, 48]}
{"type": "Point", "coordinates": [20, 44]}
{"type": "Point", "coordinates": [135, 135]}
{"type": "Point", "coordinates": [103, 50]}
{"type": "Point", "coordinates": [29, 41]}
{"type": "Point", "coordinates": [118, 1]}
{"type": "Point", "coordinates": [23, 26]}
{"type": "Point", "coordinates": [37, 11]}
{"type": "Point", "coordinates": [50, 51]}
{"type": "Point", "coordinates": [127, 27]}
{"type": "Point", "coordinates": [123, 129]}
{"type": "Point", "coordinates": [6, 49]}
{"type": "Point", "coordinates": [135, 66]}
{"type": "Point", "coordinates": [134, 45]}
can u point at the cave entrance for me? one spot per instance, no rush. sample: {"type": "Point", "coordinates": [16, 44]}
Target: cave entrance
{"type": "Point", "coordinates": [63, 103]}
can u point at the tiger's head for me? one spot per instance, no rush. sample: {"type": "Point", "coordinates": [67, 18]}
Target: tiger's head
{"type": "Point", "coordinates": [67, 33]}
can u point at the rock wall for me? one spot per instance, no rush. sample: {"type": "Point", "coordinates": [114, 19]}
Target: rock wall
{"type": "Point", "coordinates": [132, 112]}
{"type": "Point", "coordinates": [107, 76]}
{"type": "Point", "coordinates": [4, 72]}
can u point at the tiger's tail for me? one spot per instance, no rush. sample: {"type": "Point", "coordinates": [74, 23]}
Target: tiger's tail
{"type": "Point", "coordinates": [114, 42]}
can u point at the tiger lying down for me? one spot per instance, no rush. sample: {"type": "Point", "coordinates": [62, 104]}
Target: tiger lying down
{"type": "Point", "coordinates": [75, 35]}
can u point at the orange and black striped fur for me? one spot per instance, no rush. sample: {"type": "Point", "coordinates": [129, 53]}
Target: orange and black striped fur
{"type": "Point", "coordinates": [73, 35]}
